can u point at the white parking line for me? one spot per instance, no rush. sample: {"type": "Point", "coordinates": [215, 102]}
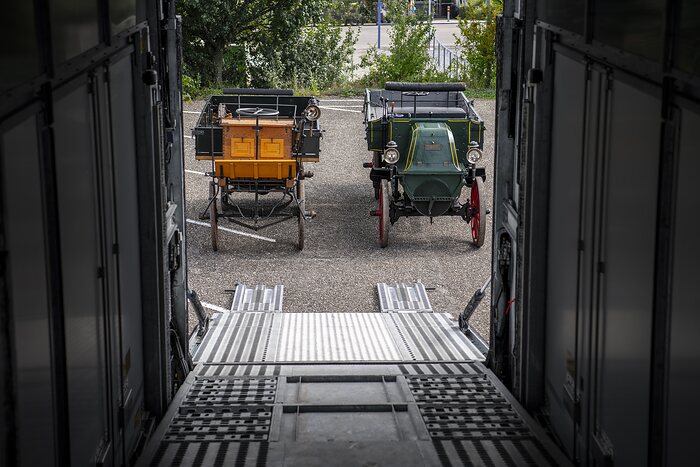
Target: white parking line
{"type": "Point", "coordinates": [341, 100]}
{"type": "Point", "coordinates": [237, 232]}
{"type": "Point", "coordinates": [339, 109]}
{"type": "Point", "coordinates": [188, 136]}
{"type": "Point", "coordinates": [190, 112]}
{"type": "Point", "coordinates": [214, 307]}
{"type": "Point", "coordinates": [194, 172]}
{"type": "Point", "coordinates": [337, 106]}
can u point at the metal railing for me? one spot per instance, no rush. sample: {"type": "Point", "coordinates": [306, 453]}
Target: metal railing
{"type": "Point", "coordinates": [446, 59]}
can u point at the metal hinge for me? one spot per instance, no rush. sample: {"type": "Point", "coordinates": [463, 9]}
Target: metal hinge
{"type": "Point", "coordinates": [572, 403]}
{"type": "Point", "coordinates": [603, 450]}
{"type": "Point", "coordinates": [175, 251]}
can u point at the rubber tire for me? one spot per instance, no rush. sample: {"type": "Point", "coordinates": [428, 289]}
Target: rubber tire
{"type": "Point", "coordinates": [478, 220]}
{"type": "Point", "coordinates": [383, 213]}
{"type": "Point", "coordinates": [301, 193]}
{"type": "Point", "coordinates": [213, 218]}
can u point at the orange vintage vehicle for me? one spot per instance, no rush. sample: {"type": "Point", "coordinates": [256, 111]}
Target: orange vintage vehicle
{"type": "Point", "coordinates": [258, 141]}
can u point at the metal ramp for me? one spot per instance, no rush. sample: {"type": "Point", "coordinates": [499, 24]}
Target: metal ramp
{"type": "Point", "coordinates": [331, 337]}
{"type": "Point", "coordinates": [403, 298]}
{"type": "Point", "coordinates": [258, 298]}
{"type": "Point", "coordinates": [344, 389]}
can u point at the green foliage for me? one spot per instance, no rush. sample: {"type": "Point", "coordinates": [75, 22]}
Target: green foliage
{"type": "Point", "coordinates": [477, 43]}
{"type": "Point", "coordinates": [218, 34]}
{"type": "Point", "coordinates": [353, 12]}
{"type": "Point", "coordinates": [190, 87]}
{"type": "Point", "coordinates": [316, 57]}
{"type": "Point", "coordinates": [408, 58]}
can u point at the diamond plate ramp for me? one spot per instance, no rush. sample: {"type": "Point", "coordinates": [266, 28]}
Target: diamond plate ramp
{"type": "Point", "coordinates": [258, 298]}
{"type": "Point", "coordinates": [403, 298]}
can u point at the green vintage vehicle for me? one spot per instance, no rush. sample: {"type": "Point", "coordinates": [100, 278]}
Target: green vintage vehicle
{"type": "Point", "coordinates": [426, 140]}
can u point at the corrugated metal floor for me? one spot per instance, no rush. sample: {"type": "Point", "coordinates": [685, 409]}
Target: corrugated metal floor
{"type": "Point", "coordinates": [334, 337]}
{"type": "Point", "coordinates": [344, 389]}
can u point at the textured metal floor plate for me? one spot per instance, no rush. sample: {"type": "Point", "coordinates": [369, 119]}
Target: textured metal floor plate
{"type": "Point", "coordinates": [258, 298]}
{"type": "Point", "coordinates": [334, 337]}
{"type": "Point", "coordinates": [403, 298]}
{"type": "Point", "coordinates": [207, 453]}
{"type": "Point", "coordinates": [402, 414]}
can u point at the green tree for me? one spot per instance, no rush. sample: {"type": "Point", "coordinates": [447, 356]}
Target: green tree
{"type": "Point", "coordinates": [315, 57]}
{"type": "Point", "coordinates": [213, 29]}
{"type": "Point", "coordinates": [477, 42]}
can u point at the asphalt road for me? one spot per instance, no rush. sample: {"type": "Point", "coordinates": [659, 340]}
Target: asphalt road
{"type": "Point", "coordinates": [341, 264]}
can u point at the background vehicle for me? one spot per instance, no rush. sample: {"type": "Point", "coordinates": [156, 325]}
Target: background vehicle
{"type": "Point", "coordinates": [257, 141]}
{"type": "Point", "coordinates": [426, 141]}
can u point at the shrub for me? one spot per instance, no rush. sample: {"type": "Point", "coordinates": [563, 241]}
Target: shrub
{"type": "Point", "coordinates": [190, 87]}
{"type": "Point", "coordinates": [408, 58]}
{"type": "Point", "coordinates": [318, 57]}
{"type": "Point", "coordinates": [477, 43]}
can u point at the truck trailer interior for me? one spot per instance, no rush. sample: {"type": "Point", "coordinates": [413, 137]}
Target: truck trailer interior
{"type": "Point", "coordinates": [592, 357]}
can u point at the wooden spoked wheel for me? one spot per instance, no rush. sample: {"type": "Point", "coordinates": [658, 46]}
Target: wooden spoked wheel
{"type": "Point", "coordinates": [478, 211]}
{"type": "Point", "coordinates": [383, 213]}
{"type": "Point", "coordinates": [213, 217]}
{"type": "Point", "coordinates": [302, 207]}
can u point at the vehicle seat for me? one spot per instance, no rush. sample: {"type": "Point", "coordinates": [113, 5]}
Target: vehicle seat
{"type": "Point", "coordinates": [431, 112]}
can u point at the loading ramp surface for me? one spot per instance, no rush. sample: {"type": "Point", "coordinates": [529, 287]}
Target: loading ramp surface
{"type": "Point", "coordinates": [344, 389]}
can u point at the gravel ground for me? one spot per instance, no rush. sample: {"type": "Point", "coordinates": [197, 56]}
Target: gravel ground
{"type": "Point", "coordinates": [341, 263]}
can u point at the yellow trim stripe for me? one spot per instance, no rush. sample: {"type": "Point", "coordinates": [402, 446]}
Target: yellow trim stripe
{"type": "Point", "coordinates": [453, 149]}
{"type": "Point", "coordinates": [411, 149]}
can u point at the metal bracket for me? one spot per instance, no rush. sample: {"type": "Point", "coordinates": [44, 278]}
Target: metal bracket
{"type": "Point", "coordinates": [602, 450]}
{"type": "Point", "coordinates": [175, 251]}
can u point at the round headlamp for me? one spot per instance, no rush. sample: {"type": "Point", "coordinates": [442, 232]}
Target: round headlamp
{"type": "Point", "coordinates": [312, 112]}
{"type": "Point", "coordinates": [391, 153]}
{"type": "Point", "coordinates": [474, 153]}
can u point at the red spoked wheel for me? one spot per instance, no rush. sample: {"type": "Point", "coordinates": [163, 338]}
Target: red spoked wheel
{"type": "Point", "coordinates": [383, 213]}
{"type": "Point", "coordinates": [478, 211]}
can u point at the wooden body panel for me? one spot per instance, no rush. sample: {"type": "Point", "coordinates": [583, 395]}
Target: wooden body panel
{"type": "Point", "coordinates": [275, 139]}
{"type": "Point", "coordinates": [252, 169]}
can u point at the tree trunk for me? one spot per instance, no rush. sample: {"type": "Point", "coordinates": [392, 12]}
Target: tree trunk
{"type": "Point", "coordinates": [219, 65]}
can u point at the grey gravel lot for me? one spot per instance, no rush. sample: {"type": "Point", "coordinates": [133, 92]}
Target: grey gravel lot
{"type": "Point", "coordinates": [342, 262]}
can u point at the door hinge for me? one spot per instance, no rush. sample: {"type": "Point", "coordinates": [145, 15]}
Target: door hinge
{"type": "Point", "coordinates": [602, 450]}
{"type": "Point", "coordinates": [175, 251]}
{"type": "Point", "coordinates": [572, 403]}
